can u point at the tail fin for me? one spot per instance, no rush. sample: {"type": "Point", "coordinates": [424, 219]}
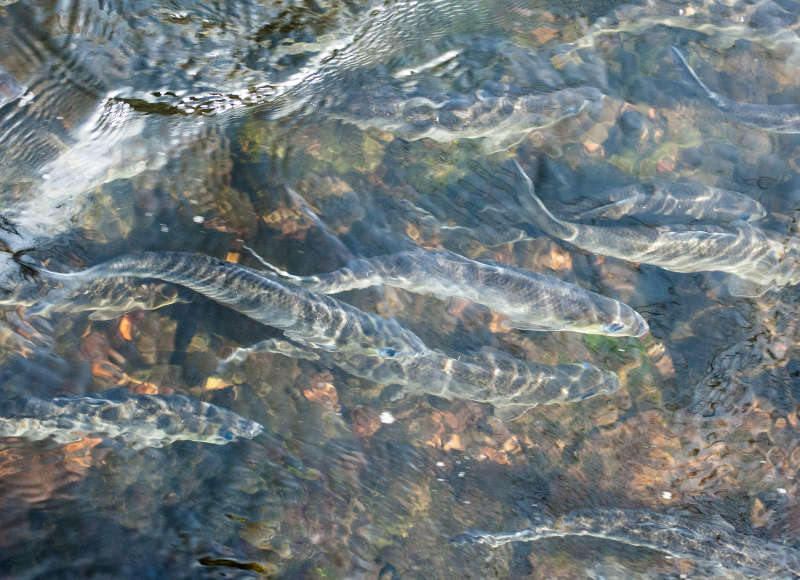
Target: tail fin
{"type": "Point", "coordinates": [32, 269]}
{"type": "Point", "coordinates": [680, 59]}
{"type": "Point", "coordinates": [274, 269]}
{"type": "Point", "coordinates": [538, 212]}
{"type": "Point", "coordinates": [69, 282]}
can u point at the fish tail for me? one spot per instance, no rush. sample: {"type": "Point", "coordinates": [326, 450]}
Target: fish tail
{"type": "Point", "coordinates": [680, 59]}
{"type": "Point", "coordinates": [539, 213]}
{"type": "Point", "coordinates": [338, 246]}
{"type": "Point", "coordinates": [69, 283]}
{"type": "Point", "coordinates": [32, 268]}
{"type": "Point", "coordinates": [300, 280]}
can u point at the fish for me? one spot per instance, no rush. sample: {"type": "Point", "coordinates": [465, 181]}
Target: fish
{"type": "Point", "coordinates": [710, 544]}
{"type": "Point", "coordinates": [530, 300]}
{"type": "Point", "coordinates": [512, 386]}
{"type": "Point", "coordinates": [355, 341]}
{"type": "Point", "coordinates": [758, 259]}
{"type": "Point", "coordinates": [773, 118]}
{"type": "Point", "coordinates": [303, 316]}
{"type": "Point", "coordinates": [139, 420]}
{"type": "Point", "coordinates": [679, 199]}
{"type": "Point", "coordinates": [104, 299]}
{"type": "Point", "coordinates": [500, 122]}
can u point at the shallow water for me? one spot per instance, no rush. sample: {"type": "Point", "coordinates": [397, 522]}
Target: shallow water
{"type": "Point", "coordinates": [317, 133]}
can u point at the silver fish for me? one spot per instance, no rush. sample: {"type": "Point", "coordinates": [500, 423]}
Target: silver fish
{"type": "Point", "coordinates": [532, 301]}
{"type": "Point", "coordinates": [681, 200]}
{"type": "Point", "coordinates": [761, 260]}
{"type": "Point", "coordinates": [500, 121]}
{"type": "Point", "coordinates": [140, 420]}
{"type": "Point", "coordinates": [303, 316]}
{"type": "Point", "coordinates": [511, 385]}
{"type": "Point", "coordinates": [104, 299]}
{"type": "Point", "coordinates": [775, 118]}
{"type": "Point", "coordinates": [357, 342]}
{"type": "Point", "coordinates": [706, 543]}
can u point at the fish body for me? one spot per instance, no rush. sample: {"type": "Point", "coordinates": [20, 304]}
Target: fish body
{"type": "Point", "coordinates": [511, 385]}
{"type": "Point", "coordinates": [531, 300]}
{"type": "Point", "coordinates": [140, 420]}
{"type": "Point", "coordinates": [761, 259]}
{"type": "Point", "coordinates": [707, 543]}
{"type": "Point", "coordinates": [501, 121]}
{"type": "Point", "coordinates": [303, 316]}
{"type": "Point", "coordinates": [680, 200]}
{"type": "Point", "coordinates": [104, 298]}
{"type": "Point", "coordinates": [774, 118]}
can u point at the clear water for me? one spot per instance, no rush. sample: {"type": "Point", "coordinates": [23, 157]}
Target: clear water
{"type": "Point", "coordinates": [130, 126]}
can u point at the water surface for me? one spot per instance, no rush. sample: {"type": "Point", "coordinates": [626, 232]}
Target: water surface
{"type": "Point", "coordinates": [319, 132]}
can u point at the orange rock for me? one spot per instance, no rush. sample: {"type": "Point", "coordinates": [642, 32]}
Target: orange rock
{"type": "Point", "coordinates": [104, 369]}
{"type": "Point", "coordinates": [497, 323]}
{"type": "Point", "coordinates": [79, 451]}
{"type": "Point", "coordinates": [453, 443]}
{"type": "Point", "coordinates": [364, 421]}
{"type": "Point", "coordinates": [324, 393]}
{"type": "Point", "coordinates": [544, 34]}
{"type": "Point", "coordinates": [559, 258]}
{"type": "Point", "coordinates": [593, 148]}
{"type": "Point", "coordinates": [215, 383]}
{"type": "Point", "coordinates": [666, 164]}
{"type": "Point", "coordinates": [142, 388]}
{"type": "Point", "coordinates": [125, 328]}
{"type": "Point", "coordinates": [511, 445]}
{"type": "Point", "coordinates": [759, 515]}
{"type": "Point", "coordinates": [493, 455]}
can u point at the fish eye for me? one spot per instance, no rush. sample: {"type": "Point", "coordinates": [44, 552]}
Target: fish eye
{"type": "Point", "coordinates": [614, 327]}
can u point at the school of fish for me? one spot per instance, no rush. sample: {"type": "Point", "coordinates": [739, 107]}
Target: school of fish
{"type": "Point", "coordinates": [683, 227]}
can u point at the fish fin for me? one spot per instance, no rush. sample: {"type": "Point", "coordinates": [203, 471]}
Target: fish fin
{"type": "Point", "coordinates": [271, 345]}
{"type": "Point", "coordinates": [508, 413]}
{"type": "Point", "coordinates": [680, 59]}
{"type": "Point", "coordinates": [289, 348]}
{"type": "Point", "coordinates": [271, 267]}
{"type": "Point", "coordinates": [520, 325]}
{"type": "Point", "coordinates": [104, 314]}
{"type": "Point", "coordinates": [497, 144]}
{"type": "Point", "coordinates": [745, 288]}
{"type": "Point", "coordinates": [396, 392]}
{"type": "Point", "coordinates": [605, 210]}
{"type": "Point", "coordinates": [303, 343]}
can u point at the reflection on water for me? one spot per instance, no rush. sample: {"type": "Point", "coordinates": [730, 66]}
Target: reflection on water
{"type": "Point", "coordinates": [481, 362]}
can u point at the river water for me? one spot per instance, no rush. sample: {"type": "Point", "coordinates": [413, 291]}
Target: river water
{"type": "Point", "coordinates": [315, 133]}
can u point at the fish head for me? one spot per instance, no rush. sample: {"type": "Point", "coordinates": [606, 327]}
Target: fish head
{"type": "Point", "coordinates": [239, 428]}
{"type": "Point", "coordinates": [583, 381]}
{"type": "Point", "coordinates": [628, 323]}
{"type": "Point", "coordinates": [611, 318]}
